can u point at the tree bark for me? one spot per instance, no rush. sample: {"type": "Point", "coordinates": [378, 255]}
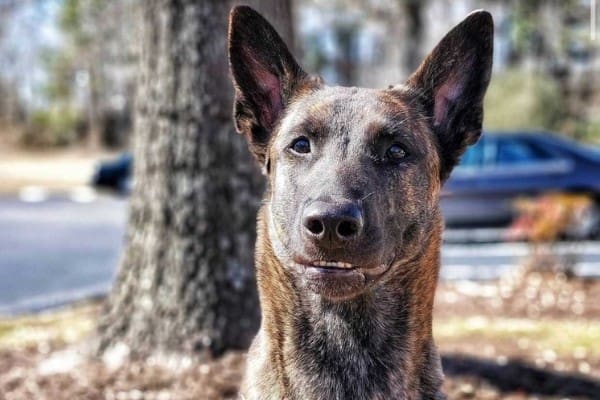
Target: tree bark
{"type": "Point", "coordinates": [186, 280]}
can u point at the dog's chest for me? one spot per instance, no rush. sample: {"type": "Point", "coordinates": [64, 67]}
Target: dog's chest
{"type": "Point", "coordinates": [337, 356]}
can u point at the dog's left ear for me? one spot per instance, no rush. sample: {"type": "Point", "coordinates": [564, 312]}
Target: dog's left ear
{"type": "Point", "coordinates": [265, 77]}
{"type": "Point", "coordinates": [451, 83]}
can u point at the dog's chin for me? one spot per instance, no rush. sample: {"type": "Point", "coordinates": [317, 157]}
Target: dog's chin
{"type": "Point", "coordinates": [338, 281]}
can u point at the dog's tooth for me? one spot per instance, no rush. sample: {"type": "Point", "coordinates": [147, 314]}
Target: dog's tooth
{"type": "Point", "coordinates": [332, 264]}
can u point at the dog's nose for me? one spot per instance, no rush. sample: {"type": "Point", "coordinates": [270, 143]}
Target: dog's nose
{"type": "Point", "coordinates": [332, 224]}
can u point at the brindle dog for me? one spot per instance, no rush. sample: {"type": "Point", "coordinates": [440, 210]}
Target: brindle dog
{"type": "Point", "coordinates": [348, 247]}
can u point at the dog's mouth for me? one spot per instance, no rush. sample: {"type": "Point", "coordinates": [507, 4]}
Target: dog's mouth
{"type": "Point", "coordinates": [339, 267]}
{"type": "Point", "coordinates": [338, 280]}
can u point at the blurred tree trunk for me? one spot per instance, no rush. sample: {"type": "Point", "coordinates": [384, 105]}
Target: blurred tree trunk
{"type": "Point", "coordinates": [186, 280]}
{"type": "Point", "coordinates": [12, 110]}
{"type": "Point", "coordinates": [413, 36]}
{"type": "Point", "coordinates": [94, 139]}
{"type": "Point", "coordinates": [345, 63]}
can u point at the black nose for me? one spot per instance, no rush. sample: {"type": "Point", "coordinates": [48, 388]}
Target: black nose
{"type": "Point", "coordinates": [332, 224]}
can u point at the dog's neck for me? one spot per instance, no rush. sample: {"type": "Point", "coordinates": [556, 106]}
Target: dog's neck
{"type": "Point", "coordinates": [376, 346]}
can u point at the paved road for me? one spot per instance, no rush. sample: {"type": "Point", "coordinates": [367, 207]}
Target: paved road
{"type": "Point", "coordinates": [53, 251]}
{"type": "Point", "coordinates": [57, 250]}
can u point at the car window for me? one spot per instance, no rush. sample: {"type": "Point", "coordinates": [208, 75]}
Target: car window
{"type": "Point", "coordinates": [515, 151]}
{"type": "Point", "coordinates": [473, 157]}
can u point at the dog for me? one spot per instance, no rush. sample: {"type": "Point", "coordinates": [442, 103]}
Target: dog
{"type": "Point", "coordinates": [349, 231]}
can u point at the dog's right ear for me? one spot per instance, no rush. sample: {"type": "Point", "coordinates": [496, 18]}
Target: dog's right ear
{"type": "Point", "coordinates": [265, 77]}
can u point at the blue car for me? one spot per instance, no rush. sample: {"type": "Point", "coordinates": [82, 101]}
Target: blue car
{"type": "Point", "coordinates": [503, 166]}
{"type": "Point", "coordinates": [115, 174]}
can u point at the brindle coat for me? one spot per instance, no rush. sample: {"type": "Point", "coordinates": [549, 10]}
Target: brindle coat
{"type": "Point", "coordinates": [348, 244]}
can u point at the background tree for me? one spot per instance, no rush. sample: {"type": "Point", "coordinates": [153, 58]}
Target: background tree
{"type": "Point", "coordinates": [413, 35]}
{"type": "Point", "coordinates": [11, 105]}
{"type": "Point", "coordinates": [186, 280]}
{"type": "Point", "coordinates": [94, 68]}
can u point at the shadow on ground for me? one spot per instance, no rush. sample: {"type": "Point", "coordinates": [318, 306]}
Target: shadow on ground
{"type": "Point", "coordinates": [518, 376]}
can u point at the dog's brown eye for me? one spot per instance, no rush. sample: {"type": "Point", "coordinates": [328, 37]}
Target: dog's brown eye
{"type": "Point", "coordinates": [396, 152]}
{"type": "Point", "coordinates": [301, 145]}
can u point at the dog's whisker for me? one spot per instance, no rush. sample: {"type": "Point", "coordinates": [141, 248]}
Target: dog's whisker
{"type": "Point", "coordinates": [366, 196]}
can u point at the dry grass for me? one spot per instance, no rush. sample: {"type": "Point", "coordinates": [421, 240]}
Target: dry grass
{"type": "Point", "coordinates": [565, 338]}
{"type": "Point", "coordinates": [489, 353]}
{"type": "Point", "coordinates": [64, 326]}
{"type": "Point", "coordinates": [56, 169]}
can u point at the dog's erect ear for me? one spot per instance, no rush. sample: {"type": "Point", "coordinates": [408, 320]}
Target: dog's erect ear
{"type": "Point", "coordinates": [265, 76]}
{"type": "Point", "coordinates": [451, 83]}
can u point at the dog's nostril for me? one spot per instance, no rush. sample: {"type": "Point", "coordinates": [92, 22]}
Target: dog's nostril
{"type": "Point", "coordinates": [315, 226]}
{"type": "Point", "coordinates": [347, 229]}
{"type": "Point", "coordinates": [331, 224]}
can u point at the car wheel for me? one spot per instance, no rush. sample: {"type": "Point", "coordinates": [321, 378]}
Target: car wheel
{"type": "Point", "coordinates": [588, 226]}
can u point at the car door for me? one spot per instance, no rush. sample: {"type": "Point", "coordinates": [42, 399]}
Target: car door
{"type": "Point", "coordinates": [518, 167]}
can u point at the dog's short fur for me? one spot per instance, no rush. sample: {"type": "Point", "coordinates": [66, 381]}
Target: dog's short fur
{"type": "Point", "coordinates": [349, 231]}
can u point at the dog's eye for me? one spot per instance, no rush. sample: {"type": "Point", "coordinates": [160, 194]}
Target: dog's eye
{"type": "Point", "coordinates": [396, 152]}
{"type": "Point", "coordinates": [300, 145]}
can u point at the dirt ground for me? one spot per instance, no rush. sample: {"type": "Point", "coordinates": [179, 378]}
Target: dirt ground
{"type": "Point", "coordinates": [55, 170]}
{"type": "Point", "coordinates": [532, 336]}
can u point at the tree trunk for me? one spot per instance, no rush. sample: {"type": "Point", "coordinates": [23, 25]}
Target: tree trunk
{"type": "Point", "coordinates": [186, 280]}
{"type": "Point", "coordinates": [413, 39]}
{"type": "Point", "coordinates": [94, 140]}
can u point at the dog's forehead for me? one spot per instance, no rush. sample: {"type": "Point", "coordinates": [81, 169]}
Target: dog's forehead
{"type": "Point", "coordinates": [346, 108]}
{"type": "Point", "coordinates": [344, 97]}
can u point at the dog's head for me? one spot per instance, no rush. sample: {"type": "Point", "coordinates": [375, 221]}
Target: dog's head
{"type": "Point", "coordinates": [354, 173]}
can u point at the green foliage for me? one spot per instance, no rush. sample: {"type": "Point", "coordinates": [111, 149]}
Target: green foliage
{"type": "Point", "coordinates": [524, 100]}
{"type": "Point", "coordinates": [528, 35]}
{"type": "Point", "coordinates": [60, 66]}
{"type": "Point", "coordinates": [61, 63]}
{"type": "Point", "coordinates": [70, 16]}
{"type": "Point", "coordinates": [588, 131]}
{"type": "Point", "coordinates": [53, 127]}
{"type": "Point", "coordinates": [524, 25]}
{"type": "Point", "coordinates": [74, 20]}
{"type": "Point", "coordinates": [57, 125]}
